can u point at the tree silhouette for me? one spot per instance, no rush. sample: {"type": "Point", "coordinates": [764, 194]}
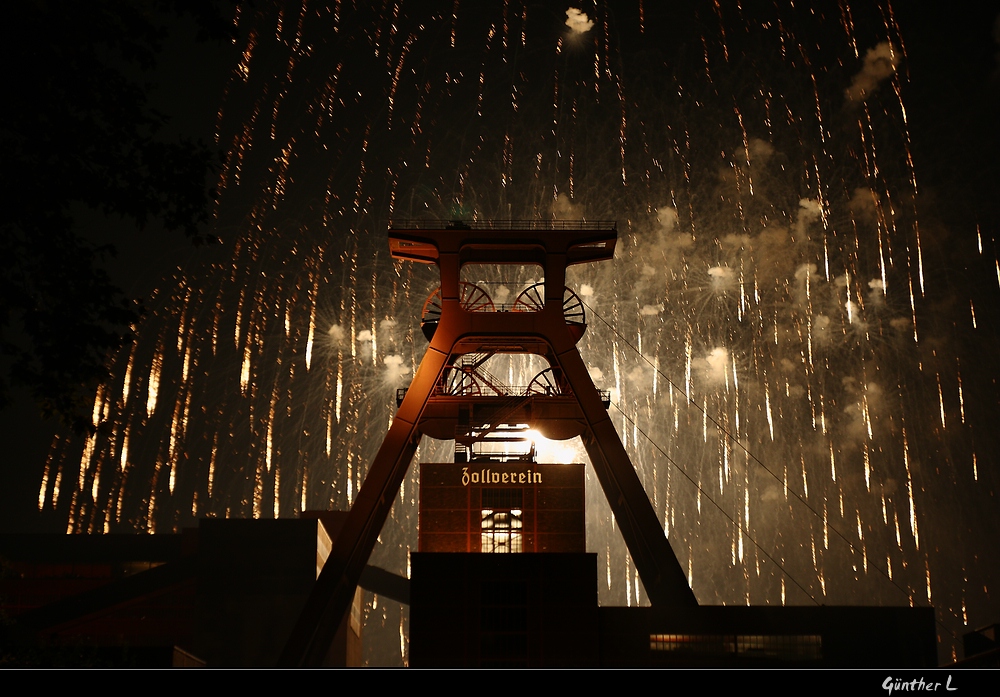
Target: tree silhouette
{"type": "Point", "coordinates": [77, 133]}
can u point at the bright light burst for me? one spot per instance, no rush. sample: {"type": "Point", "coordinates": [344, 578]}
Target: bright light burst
{"type": "Point", "coordinates": [796, 375]}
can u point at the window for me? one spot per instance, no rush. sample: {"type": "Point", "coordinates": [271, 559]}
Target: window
{"type": "Point", "coordinates": [501, 520]}
{"type": "Point", "coordinates": [790, 647]}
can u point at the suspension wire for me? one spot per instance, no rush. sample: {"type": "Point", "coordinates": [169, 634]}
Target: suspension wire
{"type": "Point", "coordinates": [704, 493]}
{"type": "Point", "coordinates": [753, 457]}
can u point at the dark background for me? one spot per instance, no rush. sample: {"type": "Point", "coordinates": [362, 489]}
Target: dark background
{"type": "Point", "coordinates": [951, 91]}
{"type": "Point", "coordinates": [185, 85]}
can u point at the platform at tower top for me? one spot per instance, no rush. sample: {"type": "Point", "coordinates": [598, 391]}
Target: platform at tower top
{"type": "Point", "coordinates": [508, 225]}
{"type": "Point", "coordinates": [503, 241]}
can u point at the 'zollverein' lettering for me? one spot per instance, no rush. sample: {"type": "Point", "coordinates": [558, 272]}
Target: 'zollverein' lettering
{"type": "Point", "coordinates": [486, 476]}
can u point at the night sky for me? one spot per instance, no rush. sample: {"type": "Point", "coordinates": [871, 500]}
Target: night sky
{"type": "Point", "coordinates": [809, 249]}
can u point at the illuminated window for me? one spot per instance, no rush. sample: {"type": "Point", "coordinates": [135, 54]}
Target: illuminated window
{"type": "Point", "coordinates": [501, 520]}
{"type": "Point", "coordinates": [791, 647]}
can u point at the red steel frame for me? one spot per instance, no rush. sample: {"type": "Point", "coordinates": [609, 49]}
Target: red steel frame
{"type": "Point", "coordinates": [554, 247]}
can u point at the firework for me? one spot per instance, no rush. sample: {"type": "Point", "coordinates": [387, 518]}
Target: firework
{"type": "Point", "coordinates": [796, 375]}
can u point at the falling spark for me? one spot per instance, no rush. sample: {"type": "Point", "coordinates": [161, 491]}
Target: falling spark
{"type": "Point", "coordinates": [788, 186]}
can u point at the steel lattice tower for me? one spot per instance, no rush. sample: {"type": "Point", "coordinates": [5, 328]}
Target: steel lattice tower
{"type": "Point", "coordinates": [464, 327]}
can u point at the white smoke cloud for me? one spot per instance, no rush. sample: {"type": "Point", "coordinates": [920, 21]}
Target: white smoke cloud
{"type": "Point", "coordinates": [761, 149]}
{"type": "Point", "coordinates": [640, 376]}
{"type": "Point", "coordinates": [714, 367]}
{"type": "Point", "coordinates": [586, 290]}
{"type": "Point", "coordinates": [806, 271]}
{"type": "Point", "coordinates": [735, 242]}
{"type": "Point", "coordinates": [577, 21]}
{"type": "Point", "coordinates": [880, 63]}
{"type": "Point", "coordinates": [772, 494]}
{"type": "Point", "coordinates": [651, 310]}
{"type": "Point", "coordinates": [772, 244]}
{"type": "Point", "coordinates": [810, 211]}
{"type": "Point", "coordinates": [338, 336]}
{"type": "Point", "coordinates": [501, 295]}
{"type": "Point", "coordinates": [664, 248]}
{"type": "Point", "coordinates": [666, 223]}
{"type": "Point", "coordinates": [821, 330]}
{"type": "Point", "coordinates": [596, 374]}
{"type": "Point", "coordinates": [674, 245]}
{"type": "Point", "coordinates": [721, 278]}
{"type": "Point", "coordinates": [563, 208]}
{"type": "Point", "coordinates": [877, 294]}
{"type": "Point", "coordinates": [386, 325]}
{"type": "Point", "coordinates": [863, 204]}
{"type": "Point", "coordinates": [667, 218]}
{"type": "Point", "coordinates": [394, 369]}
{"type": "Point", "coordinates": [364, 335]}
{"type": "Point", "coordinates": [759, 152]}
{"type": "Point", "coordinates": [875, 396]}
{"type": "Point", "coordinates": [869, 400]}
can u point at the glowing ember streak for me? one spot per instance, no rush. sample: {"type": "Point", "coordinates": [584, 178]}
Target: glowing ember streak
{"type": "Point", "coordinates": [154, 384]}
{"type": "Point", "coordinates": [783, 193]}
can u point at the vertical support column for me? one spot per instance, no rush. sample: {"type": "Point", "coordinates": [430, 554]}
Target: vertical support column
{"type": "Point", "coordinates": [555, 279]}
{"type": "Point", "coordinates": [450, 267]}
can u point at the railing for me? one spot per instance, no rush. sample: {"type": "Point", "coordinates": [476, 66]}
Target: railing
{"type": "Point", "coordinates": [516, 391]}
{"type": "Point", "coordinates": [490, 391]}
{"type": "Point", "coordinates": [414, 224]}
{"type": "Point", "coordinates": [508, 307]}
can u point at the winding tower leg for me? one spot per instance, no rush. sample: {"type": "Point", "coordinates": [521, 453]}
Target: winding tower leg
{"type": "Point", "coordinates": [661, 573]}
{"type": "Point", "coordinates": [333, 593]}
